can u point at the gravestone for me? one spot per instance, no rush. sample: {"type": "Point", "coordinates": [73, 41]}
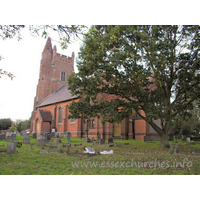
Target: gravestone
{"type": "Point", "coordinates": [2, 137]}
{"type": "Point", "coordinates": [145, 138]}
{"type": "Point", "coordinates": [49, 136]}
{"type": "Point", "coordinates": [174, 149]}
{"type": "Point", "coordinates": [8, 133]}
{"type": "Point", "coordinates": [34, 135]}
{"type": "Point", "coordinates": [25, 136]}
{"type": "Point", "coordinates": [26, 141]}
{"type": "Point", "coordinates": [101, 141]}
{"type": "Point", "coordinates": [39, 137]}
{"type": "Point", "coordinates": [56, 140]}
{"type": "Point", "coordinates": [11, 147]}
{"type": "Point", "coordinates": [23, 132]}
{"type": "Point", "coordinates": [56, 134]}
{"type": "Point", "coordinates": [89, 150]}
{"type": "Point", "coordinates": [45, 135]}
{"type": "Point", "coordinates": [41, 142]}
{"type": "Point", "coordinates": [13, 135]}
{"type": "Point", "coordinates": [110, 140]}
{"type": "Point", "coordinates": [10, 139]}
{"type": "Point", "coordinates": [68, 138]}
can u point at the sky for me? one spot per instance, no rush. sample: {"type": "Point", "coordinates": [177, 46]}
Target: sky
{"type": "Point", "coordinates": [22, 58]}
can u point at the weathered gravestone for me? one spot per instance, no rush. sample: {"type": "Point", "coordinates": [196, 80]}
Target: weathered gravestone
{"type": "Point", "coordinates": [101, 141]}
{"type": "Point", "coordinates": [34, 135]}
{"type": "Point", "coordinates": [11, 147]}
{"type": "Point", "coordinates": [39, 137]}
{"type": "Point", "coordinates": [26, 141]}
{"type": "Point", "coordinates": [45, 135]}
{"type": "Point", "coordinates": [56, 140]}
{"type": "Point", "coordinates": [110, 140]}
{"type": "Point", "coordinates": [23, 132]}
{"type": "Point", "coordinates": [25, 136]}
{"type": "Point", "coordinates": [13, 135]}
{"type": "Point", "coordinates": [49, 136]}
{"type": "Point", "coordinates": [8, 133]}
{"type": "Point", "coordinates": [174, 149]}
{"type": "Point", "coordinates": [2, 137]}
{"type": "Point", "coordinates": [42, 142]}
{"type": "Point", "coordinates": [145, 138]}
{"type": "Point", "coordinates": [10, 139]}
{"type": "Point", "coordinates": [68, 138]}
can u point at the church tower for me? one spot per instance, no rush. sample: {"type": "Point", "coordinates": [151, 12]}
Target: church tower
{"type": "Point", "coordinates": [54, 70]}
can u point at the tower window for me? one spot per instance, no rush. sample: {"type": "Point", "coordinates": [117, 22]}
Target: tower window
{"type": "Point", "coordinates": [63, 76]}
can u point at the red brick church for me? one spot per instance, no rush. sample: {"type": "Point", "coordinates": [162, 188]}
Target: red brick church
{"type": "Point", "coordinates": [50, 112]}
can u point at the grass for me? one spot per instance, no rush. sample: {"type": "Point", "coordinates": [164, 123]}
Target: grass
{"type": "Point", "coordinates": [128, 159]}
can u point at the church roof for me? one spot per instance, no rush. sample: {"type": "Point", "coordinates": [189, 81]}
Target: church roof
{"type": "Point", "coordinates": [46, 115]}
{"type": "Point", "coordinates": [60, 95]}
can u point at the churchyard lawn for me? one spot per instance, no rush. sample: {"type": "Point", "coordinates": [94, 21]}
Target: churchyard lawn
{"type": "Point", "coordinates": [130, 157]}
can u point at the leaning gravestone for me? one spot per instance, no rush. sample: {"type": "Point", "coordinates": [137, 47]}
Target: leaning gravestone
{"type": "Point", "coordinates": [110, 140]}
{"type": "Point", "coordinates": [13, 135]}
{"type": "Point", "coordinates": [11, 147]}
{"type": "Point", "coordinates": [10, 139]}
{"type": "Point", "coordinates": [26, 141]}
{"type": "Point", "coordinates": [101, 141]}
{"type": "Point", "coordinates": [2, 137]}
{"type": "Point", "coordinates": [34, 135]}
{"type": "Point", "coordinates": [68, 138]}
{"type": "Point", "coordinates": [41, 142]}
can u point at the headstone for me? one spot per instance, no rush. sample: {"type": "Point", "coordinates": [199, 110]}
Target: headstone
{"type": "Point", "coordinates": [25, 136]}
{"type": "Point", "coordinates": [56, 134]}
{"type": "Point", "coordinates": [26, 141]}
{"type": "Point", "coordinates": [68, 138]}
{"type": "Point", "coordinates": [10, 139]}
{"type": "Point", "coordinates": [11, 147]}
{"type": "Point", "coordinates": [174, 149]}
{"type": "Point", "coordinates": [110, 140]}
{"type": "Point", "coordinates": [23, 132]}
{"type": "Point", "coordinates": [45, 135]}
{"type": "Point", "coordinates": [188, 139]}
{"type": "Point", "coordinates": [145, 138]}
{"type": "Point", "coordinates": [2, 137]}
{"type": "Point", "coordinates": [39, 137]}
{"type": "Point", "coordinates": [49, 136]}
{"type": "Point", "coordinates": [56, 140]}
{"type": "Point", "coordinates": [101, 141]}
{"type": "Point", "coordinates": [34, 135]}
{"type": "Point", "coordinates": [13, 135]}
{"type": "Point", "coordinates": [8, 133]}
{"type": "Point", "coordinates": [42, 142]}
{"type": "Point", "coordinates": [87, 140]}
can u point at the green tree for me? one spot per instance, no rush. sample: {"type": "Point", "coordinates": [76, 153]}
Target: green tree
{"type": "Point", "coordinates": [18, 125]}
{"type": "Point", "coordinates": [12, 128]}
{"type": "Point", "coordinates": [153, 68]}
{"type": "Point", "coordinates": [5, 123]}
{"type": "Point", "coordinates": [26, 124]}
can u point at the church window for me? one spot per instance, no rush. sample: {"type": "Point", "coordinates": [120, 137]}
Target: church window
{"type": "Point", "coordinates": [60, 113]}
{"type": "Point", "coordinates": [63, 76]}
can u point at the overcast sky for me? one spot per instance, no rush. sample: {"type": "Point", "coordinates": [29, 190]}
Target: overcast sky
{"type": "Point", "coordinates": [22, 58]}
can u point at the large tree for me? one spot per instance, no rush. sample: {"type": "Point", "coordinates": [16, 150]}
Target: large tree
{"type": "Point", "coordinates": [153, 68]}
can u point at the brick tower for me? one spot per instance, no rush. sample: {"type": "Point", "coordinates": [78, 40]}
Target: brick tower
{"type": "Point", "coordinates": [54, 69]}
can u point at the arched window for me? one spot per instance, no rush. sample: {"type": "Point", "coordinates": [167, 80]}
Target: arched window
{"type": "Point", "coordinates": [60, 113]}
{"type": "Point", "coordinates": [63, 76]}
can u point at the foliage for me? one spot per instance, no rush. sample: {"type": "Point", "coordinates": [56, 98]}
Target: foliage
{"type": "Point", "coordinates": [153, 68]}
{"type": "Point", "coordinates": [66, 33]}
{"type": "Point", "coordinates": [12, 128]}
{"type": "Point", "coordinates": [5, 123]}
{"type": "Point", "coordinates": [26, 124]}
{"type": "Point", "coordinates": [19, 125]}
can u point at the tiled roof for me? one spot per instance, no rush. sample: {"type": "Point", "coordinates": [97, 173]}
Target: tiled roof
{"type": "Point", "coordinates": [60, 95]}
{"type": "Point", "coordinates": [46, 115]}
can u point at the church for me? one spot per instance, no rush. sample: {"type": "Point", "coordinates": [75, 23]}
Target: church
{"type": "Point", "coordinates": [50, 112]}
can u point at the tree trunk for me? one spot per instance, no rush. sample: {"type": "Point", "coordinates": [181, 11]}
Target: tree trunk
{"type": "Point", "coordinates": [164, 141]}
